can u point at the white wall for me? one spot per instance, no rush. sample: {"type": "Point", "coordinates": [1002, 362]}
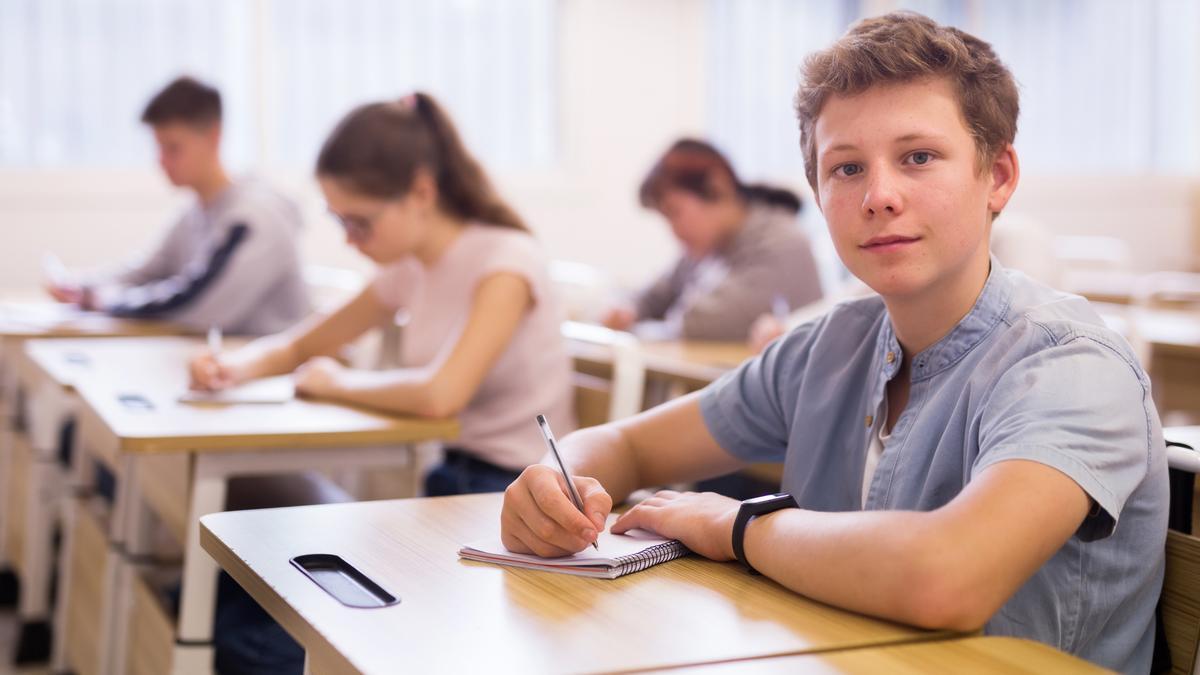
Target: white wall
{"type": "Point", "coordinates": [631, 80]}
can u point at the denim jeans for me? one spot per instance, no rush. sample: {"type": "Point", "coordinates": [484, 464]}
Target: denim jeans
{"type": "Point", "coordinates": [461, 473]}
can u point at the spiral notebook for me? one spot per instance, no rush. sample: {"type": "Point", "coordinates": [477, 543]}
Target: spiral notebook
{"type": "Point", "coordinates": [619, 554]}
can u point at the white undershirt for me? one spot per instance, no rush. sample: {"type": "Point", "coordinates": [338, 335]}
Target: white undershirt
{"type": "Point", "coordinates": [878, 439]}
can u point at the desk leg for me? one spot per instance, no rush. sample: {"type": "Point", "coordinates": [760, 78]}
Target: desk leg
{"type": "Point", "coordinates": [197, 606]}
{"type": "Point", "coordinates": [79, 476]}
{"type": "Point", "coordinates": [58, 646]}
{"type": "Point", "coordinates": [136, 530]}
{"type": "Point", "coordinates": [115, 592]}
{"type": "Point", "coordinates": [48, 412]}
{"type": "Point", "coordinates": [8, 424]}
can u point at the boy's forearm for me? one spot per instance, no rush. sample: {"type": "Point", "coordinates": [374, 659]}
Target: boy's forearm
{"type": "Point", "coordinates": [897, 565]}
{"type": "Point", "coordinates": [602, 453]}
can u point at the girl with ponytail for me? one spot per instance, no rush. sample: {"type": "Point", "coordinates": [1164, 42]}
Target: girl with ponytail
{"type": "Point", "coordinates": [482, 340]}
{"type": "Point", "coordinates": [743, 251]}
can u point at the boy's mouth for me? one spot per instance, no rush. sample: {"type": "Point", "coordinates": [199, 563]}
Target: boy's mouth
{"type": "Point", "coordinates": [888, 242]}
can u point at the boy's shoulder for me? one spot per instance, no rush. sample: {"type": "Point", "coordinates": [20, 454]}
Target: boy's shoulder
{"type": "Point", "coordinates": [258, 204]}
{"type": "Point", "coordinates": [1058, 317]}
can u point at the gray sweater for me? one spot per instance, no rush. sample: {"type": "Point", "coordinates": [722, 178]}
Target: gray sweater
{"type": "Point", "coordinates": [233, 263]}
{"type": "Point", "coordinates": [719, 297]}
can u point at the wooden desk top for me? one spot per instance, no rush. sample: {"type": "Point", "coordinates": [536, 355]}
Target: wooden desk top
{"type": "Point", "coordinates": [686, 359]}
{"type": "Point", "coordinates": [463, 616]}
{"type": "Point", "coordinates": [32, 319]}
{"type": "Point", "coordinates": [153, 372]}
{"type": "Point", "coordinates": [966, 655]}
{"type": "Point", "coordinates": [67, 360]}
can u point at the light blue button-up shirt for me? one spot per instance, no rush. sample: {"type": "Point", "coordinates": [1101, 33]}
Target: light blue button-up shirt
{"type": "Point", "coordinates": [1030, 373]}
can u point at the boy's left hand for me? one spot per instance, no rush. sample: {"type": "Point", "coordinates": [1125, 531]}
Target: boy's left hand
{"type": "Point", "coordinates": [703, 521]}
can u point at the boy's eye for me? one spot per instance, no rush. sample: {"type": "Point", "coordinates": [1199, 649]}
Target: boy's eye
{"type": "Point", "coordinates": [920, 157]}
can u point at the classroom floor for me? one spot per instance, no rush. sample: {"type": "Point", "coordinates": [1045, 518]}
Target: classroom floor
{"type": "Point", "coordinates": [8, 638]}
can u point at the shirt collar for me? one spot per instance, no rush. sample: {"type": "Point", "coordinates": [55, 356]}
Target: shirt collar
{"type": "Point", "coordinates": [990, 308]}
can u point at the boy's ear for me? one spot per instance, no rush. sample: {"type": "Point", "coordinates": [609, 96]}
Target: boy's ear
{"type": "Point", "coordinates": [1005, 172]}
{"type": "Point", "coordinates": [212, 133]}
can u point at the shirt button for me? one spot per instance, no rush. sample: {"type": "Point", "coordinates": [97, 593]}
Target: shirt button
{"type": "Point", "coordinates": [891, 356]}
{"type": "Point", "coordinates": [870, 420]}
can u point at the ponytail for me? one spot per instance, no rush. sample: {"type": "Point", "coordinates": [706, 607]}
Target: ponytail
{"type": "Point", "coordinates": [770, 195]}
{"type": "Point", "coordinates": [377, 148]}
{"type": "Point", "coordinates": [463, 185]}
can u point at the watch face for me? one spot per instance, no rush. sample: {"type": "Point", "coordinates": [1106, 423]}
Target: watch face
{"type": "Point", "coordinates": [766, 499]}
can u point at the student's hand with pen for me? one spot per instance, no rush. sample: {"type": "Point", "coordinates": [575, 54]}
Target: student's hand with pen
{"type": "Point", "coordinates": [703, 521]}
{"type": "Point", "coordinates": [65, 293]}
{"type": "Point", "coordinates": [209, 373]}
{"type": "Point", "coordinates": [539, 517]}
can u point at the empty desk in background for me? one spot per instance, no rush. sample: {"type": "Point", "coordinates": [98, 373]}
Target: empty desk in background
{"type": "Point", "coordinates": [172, 462]}
{"type": "Point", "coordinates": [30, 423]}
{"type": "Point", "coordinates": [458, 616]}
{"type": "Point", "coordinates": [671, 369]}
{"type": "Point", "coordinates": [1170, 340]}
{"type": "Point", "coordinates": [684, 365]}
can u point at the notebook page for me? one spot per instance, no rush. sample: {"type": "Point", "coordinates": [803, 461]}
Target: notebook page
{"type": "Point", "coordinates": [612, 546]}
{"type": "Point", "coordinates": [279, 389]}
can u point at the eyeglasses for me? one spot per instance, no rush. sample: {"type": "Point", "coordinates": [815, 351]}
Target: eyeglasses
{"type": "Point", "coordinates": [358, 228]}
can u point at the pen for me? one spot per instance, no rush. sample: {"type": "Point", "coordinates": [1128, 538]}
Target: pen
{"type": "Point", "coordinates": [214, 341]}
{"type": "Point", "coordinates": [780, 308]}
{"type": "Point", "coordinates": [549, 438]}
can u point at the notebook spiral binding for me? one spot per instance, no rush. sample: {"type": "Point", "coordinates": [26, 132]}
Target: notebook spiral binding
{"type": "Point", "coordinates": [652, 556]}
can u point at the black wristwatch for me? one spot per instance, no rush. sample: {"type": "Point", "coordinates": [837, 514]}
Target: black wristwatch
{"type": "Point", "coordinates": [751, 509]}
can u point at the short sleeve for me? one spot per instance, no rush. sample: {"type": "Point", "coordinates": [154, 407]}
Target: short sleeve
{"type": "Point", "coordinates": [745, 410]}
{"type": "Point", "coordinates": [395, 284]}
{"type": "Point", "coordinates": [517, 254]}
{"type": "Point", "coordinates": [1081, 407]}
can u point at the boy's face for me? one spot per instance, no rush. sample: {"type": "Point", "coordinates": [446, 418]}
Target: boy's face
{"type": "Point", "coordinates": [898, 182]}
{"type": "Point", "coordinates": [187, 152]}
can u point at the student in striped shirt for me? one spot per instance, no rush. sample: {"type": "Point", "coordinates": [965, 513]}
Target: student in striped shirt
{"type": "Point", "coordinates": [230, 260]}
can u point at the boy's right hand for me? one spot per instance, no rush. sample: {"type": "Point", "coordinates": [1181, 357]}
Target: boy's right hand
{"type": "Point", "coordinates": [208, 373]}
{"type": "Point", "coordinates": [64, 293]}
{"type": "Point", "coordinates": [539, 518]}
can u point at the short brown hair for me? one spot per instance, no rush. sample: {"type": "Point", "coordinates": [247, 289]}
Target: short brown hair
{"type": "Point", "coordinates": [184, 100]}
{"type": "Point", "coordinates": [902, 47]}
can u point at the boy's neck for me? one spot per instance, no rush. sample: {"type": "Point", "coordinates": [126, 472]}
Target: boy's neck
{"type": "Point", "coordinates": [212, 185]}
{"type": "Point", "coordinates": [922, 319]}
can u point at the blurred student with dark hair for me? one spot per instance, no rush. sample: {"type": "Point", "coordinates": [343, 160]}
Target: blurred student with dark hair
{"type": "Point", "coordinates": [743, 251]}
{"type": "Point", "coordinates": [230, 260]}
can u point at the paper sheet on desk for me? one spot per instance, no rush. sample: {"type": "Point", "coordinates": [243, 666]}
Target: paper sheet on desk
{"type": "Point", "coordinates": [41, 314]}
{"type": "Point", "coordinates": [279, 389]}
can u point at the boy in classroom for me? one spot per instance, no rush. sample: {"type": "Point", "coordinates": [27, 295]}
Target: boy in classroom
{"type": "Point", "coordinates": [230, 260]}
{"type": "Point", "coordinates": [968, 449]}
